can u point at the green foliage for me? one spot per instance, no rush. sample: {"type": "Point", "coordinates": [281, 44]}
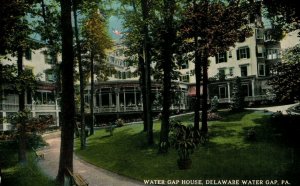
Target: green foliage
{"type": "Point", "coordinates": [184, 139]}
{"type": "Point", "coordinates": [227, 156]}
{"type": "Point", "coordinates": [26, 81]}
{"type": "Point", "coordinates": [285, 78]}
{"type": "Point", "coordinates": [96, 41]}
{"type": "Point", "coordinates": [283, 13]}
{"type": "Point", "coordinates": [237, 96]}
{"type": "Point", "coordinates": [214, 104]}
{"type": "Point", "coordinates": [14, 28]}
{"type": "Point", "coordinates": [26, 175]}
{"type": "Point", "coordinates": [110, 128]}
{"type": "Point", "coordinates": [120, 122]}
{"type": "Point", "coordinates": [33, 127]}
{"type": "Point", "coordinates": [217, 24]}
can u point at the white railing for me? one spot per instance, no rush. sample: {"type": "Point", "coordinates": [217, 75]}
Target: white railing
{"type": "Point", "coordinates": [259, 97]}
{"type": "Point", "coordinates": [134, 108]}
{"type": "Point", "coordinates": [249, 98]}
{"type": "Point", "coordinates": [32, 107]}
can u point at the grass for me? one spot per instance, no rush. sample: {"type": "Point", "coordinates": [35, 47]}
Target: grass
{"type": "Point", "coordinates": [16, 174]}
{"type": "Point", "coordinates": [227, 155]}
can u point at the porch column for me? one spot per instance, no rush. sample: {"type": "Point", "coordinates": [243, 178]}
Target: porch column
{"type": "Point", "coordinates": [100, 99]}
{"type": "Point", "coordinates": [33, 107]}
{"type": "Point", "coordinates": [134, 90]}
{"type": "Point", "coordinates": [57, 112]}
{"type": "Point", "coordinates": [253, 87]}
{"type": "Point", "coordinates": [110, 99]}
{"type": "Point", "coordinates": [117, 91]}
{"type": "Point", "coordinates": [4, 124]}
{"type": "Point", "coordinates": [124, 95]}
{"type": "Point", "coordinates": [228, 91]}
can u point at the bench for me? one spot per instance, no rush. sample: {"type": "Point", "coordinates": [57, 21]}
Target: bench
{"type": "Point", "coordinates": [38, 154]}
{"type": "Point", "coordinates": [77, 179]}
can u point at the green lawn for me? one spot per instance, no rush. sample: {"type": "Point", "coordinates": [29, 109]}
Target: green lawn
{"type": "Point", "coordinates": [227, 155]}
{"type": "Point", "coordinates": [15, 174]}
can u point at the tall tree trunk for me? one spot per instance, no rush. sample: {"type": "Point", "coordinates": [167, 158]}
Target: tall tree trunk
{"type": "Point", "coordinates": [81, 80]}
{"type": "Point", "coordinates": [92, 94]}
{"type": "Point", "coordinates": [143, 88]}
{"type": "Point", "coordinates": [1, 83]}
{"type": "Point", "coordinates": [198, 85]}
{"type": "Point", "coordinates": [205, 56]}
{"type": "Point", "coordinates": [22, 132]}
{"type": "Point", "coordinates": [142, 78]}
{"type": "Point", "coordinates": [146, 55]}
{"type": "Point", "coordinates": [204, 127]}
{"type": "Point", "coordinates": [68, 103]}
{"type": "Point", "coordinates": [167, 68]}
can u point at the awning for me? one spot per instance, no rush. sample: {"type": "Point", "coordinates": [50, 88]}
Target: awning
{"type": "Point", "coordinates": [192, 90]}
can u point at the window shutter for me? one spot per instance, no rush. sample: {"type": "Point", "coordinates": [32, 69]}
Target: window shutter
{"type": "Point", "coordinates": [248, 52]}
{"type": "Point", "coordinates": [225, 53]}
{"type": "Point", "coordinates": [217, 58]}
{"type": "Point", "coordinates": [238, 54]}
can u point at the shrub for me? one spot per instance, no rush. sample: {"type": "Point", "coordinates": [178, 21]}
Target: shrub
{"type": "Point", "coordinates": [35, 141]}
{"type": "Point", "coordinates": [212, 116]}
{"type": "Point", "coordinates": [251, 135]}
{"type": "Point", "coordinates": [120, 122]}
{"type": "Point", "coordinates": [214, 104]}
{"type": "Point", "coordinates": [184, 139]}
{"type": "Point", "coordinates": [110, 128]}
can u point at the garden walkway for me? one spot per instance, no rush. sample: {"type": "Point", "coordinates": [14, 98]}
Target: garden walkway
{"type": "Point", "coordinates": [95, 176]}
{"type": "Point", "coordinates": [281, 108]}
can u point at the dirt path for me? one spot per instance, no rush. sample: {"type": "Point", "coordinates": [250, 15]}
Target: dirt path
{"type": "Point", "coordinates": [95, 176]}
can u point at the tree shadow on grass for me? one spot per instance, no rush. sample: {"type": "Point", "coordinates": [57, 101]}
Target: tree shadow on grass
{"type": "Point", "coordinates": [230, 116]}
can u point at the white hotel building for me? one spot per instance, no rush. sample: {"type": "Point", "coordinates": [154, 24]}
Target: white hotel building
{"type": "Point", "coordinates": [121, 94]}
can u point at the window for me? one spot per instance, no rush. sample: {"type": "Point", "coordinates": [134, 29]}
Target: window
{"type": "Point", "coordinates": [231, 71]}
{"type": "Point", "coordinates": [243, 53]}
{"type": "Point", "coordinates": [222, 92]}
{"type": "Point", "coordinates": [123, 75]}
{"type": "Point", "coordinates": [230, 54]}
{"type": "Point", "coordinates": [29, 69]}
{"type": "Point", "coordinates": [268, 36]}
{"type": "Point", "coordinates": [261, 70]}
{"type": "Point", "coordinates": [273, 54]}
{"type": "Point", "coordinates": [260, 51]}
{"type": "Point", "coordinates": [259, 33]}
{"type": "Point", "coordinates": [245, 90]}
{"type": "Point", "coordinates": [221, 57]}
{"type": "Point", "coordinates": [185, 78]}
{"type": "Point", "coordinates": [222, 74]}
{"type": "Point", "coordinates": [28, 54]}
{"type": "Point", "coordinates": [244, 72]}
{"type": "Point", "coordinates": [50, 77]}
{"type": "Point", "coordinates": [48, 59]}
{"type": "Point", "coordinates": [185, 65]}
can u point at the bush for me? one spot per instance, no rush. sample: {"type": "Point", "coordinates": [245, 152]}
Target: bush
{"type": "Point", "coordinates": [214, 104]}
{"type": "Point", "coordinates": [251, 135]}
{"type": "Point", "coordinates": [120, 122]}
{"type": "Point", "coordinates": [212, 116]}
{"type": "Point", "coordinates": [35, 141]}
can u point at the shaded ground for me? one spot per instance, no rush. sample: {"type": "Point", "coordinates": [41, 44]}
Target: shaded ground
{"type": "Point", "coordinates": [95, 176]}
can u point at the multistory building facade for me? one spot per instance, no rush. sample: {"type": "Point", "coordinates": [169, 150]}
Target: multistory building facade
{"type": "Point", "coordinates": [44, 101]}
